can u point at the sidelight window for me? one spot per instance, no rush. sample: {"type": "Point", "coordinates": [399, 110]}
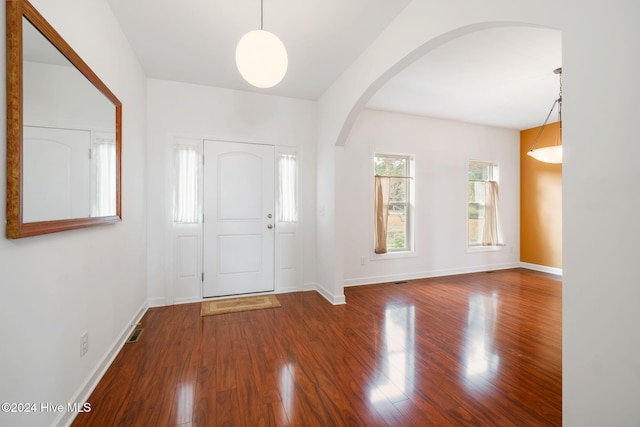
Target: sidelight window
{"type": "Point", "coordinates": [104, 163]}
{"type": "Point", "coordinates": [287, 187]}
{"type": "Point", "coordinates": [185, 190]}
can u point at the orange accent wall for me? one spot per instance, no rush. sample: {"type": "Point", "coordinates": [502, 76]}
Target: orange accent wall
{"type": "Point", "coordinates": [540, 202]}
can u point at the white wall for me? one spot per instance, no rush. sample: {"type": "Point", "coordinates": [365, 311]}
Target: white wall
{"type": "Point", "coordinates": [601, 348]}
{"type": "Point", "coordinates": [441, 150]}
{"type": "Point", "coordinates": [55, 287]}
{"type": "Point", "coordinates": [187, 110]}
{"type": "Point", "coordinates": [601, 384]}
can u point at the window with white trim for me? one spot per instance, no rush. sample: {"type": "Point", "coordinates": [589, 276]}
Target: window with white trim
{"type": "Point", "coordinates": [104, 159]}
{"type": "Point", "coordinates": [392, 203]}
{"type": "Point", "coordinates": [186, 185]}
{"type": "Point", "coordinates": [483, 216]}
{"type": "Point", "coordinates": [287, 187]}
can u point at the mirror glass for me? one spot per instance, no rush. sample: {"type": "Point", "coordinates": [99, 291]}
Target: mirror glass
{"type": "Point", "coordinates": [63, 133]}
{"type": "Point", "coordinates": [68, 140]}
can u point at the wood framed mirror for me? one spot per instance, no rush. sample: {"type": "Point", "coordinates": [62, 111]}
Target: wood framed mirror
{"type": "Point", "coordinates": [64, 133]}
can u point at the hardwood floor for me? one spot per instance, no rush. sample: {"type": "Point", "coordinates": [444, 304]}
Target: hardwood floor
{"type": "Point", "coordinates": [481, 349]}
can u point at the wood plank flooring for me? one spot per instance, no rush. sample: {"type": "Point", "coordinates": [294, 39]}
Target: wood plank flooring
{"type": "Point", "coordinates": [481, 349]}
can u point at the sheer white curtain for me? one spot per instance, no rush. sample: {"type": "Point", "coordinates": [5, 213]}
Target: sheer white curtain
{"type": "Point", "coordinates": [492, 232]}
{"type": "Point", "coordinates": [287, 188]}
{"type": "Point", "coordinates": [381, 207]}
{"type": "Point", "coordinates": [104, 199]}
{"type": "Point", "coordinates": [185, 193]}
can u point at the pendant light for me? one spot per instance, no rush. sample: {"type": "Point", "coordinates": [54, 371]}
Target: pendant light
{"type": "Point", "coordinates": [261, 57]}
{"type": "Point", "coordinates": [552, 154]}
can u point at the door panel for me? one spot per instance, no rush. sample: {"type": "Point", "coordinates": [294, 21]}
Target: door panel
{"type": "Point", "coordinates": [240, 192]}
{"type": "Point", "coordinates": [238, 245]}
{"type": "Point", "coordinates": [240, 253]}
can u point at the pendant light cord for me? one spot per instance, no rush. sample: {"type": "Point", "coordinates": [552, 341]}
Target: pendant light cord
{"type": "Point", "coordinates": [535, 141]}
{"type": "Point", "coordinates": [557, 102]}
{"type": "Point", "coordinates": [559, 73]}
{"type": "Point", "coordinates": [261, 14]}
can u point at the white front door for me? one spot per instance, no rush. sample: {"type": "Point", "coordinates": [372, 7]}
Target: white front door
{"type": "Point", "coordinates": [238, 205]}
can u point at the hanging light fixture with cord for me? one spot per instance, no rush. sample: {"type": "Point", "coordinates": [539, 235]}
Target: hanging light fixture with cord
{"type": "Point", "coordinates": [552, 154]}
{"type": "Point", "coordinates": [261, 57]}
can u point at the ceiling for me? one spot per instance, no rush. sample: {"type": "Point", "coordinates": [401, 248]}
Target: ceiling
{"type": "Point", "coordinates": [499, 77]}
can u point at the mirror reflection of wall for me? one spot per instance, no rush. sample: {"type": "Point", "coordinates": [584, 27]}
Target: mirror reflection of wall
{"type": "Point", "coordinates": [56, 173]}
{"type": "Point", "coordinates": [69, 166]}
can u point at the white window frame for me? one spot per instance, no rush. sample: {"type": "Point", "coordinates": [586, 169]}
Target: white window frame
{"type": "Point", "coordinates": [187, 184]}
{"type": "Point", "coordinates": [494, 175]}
{"type": "Point", "coordinates": [410, 250]}
{"type": "Point", "coordinates": [103, 176]}
{"type": "Point", "coordinates": [287, 167]}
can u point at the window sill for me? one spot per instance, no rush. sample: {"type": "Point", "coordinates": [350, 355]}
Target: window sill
{"type": "Point", "coordinates": [393, 255]}
{"type": "Point", "coordinates": [472, 249]}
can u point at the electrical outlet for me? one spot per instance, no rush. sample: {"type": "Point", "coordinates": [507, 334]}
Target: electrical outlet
{"type": "Point", "coordinates": [84, 343]}
{"type": "Point", "coordinates": [363, 260]}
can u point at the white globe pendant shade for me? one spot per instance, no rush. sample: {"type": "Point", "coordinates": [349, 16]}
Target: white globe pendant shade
{"type": "Point", "coordinates": [261, 58]}
{"type": "Point", "coordinates": [551, 154]}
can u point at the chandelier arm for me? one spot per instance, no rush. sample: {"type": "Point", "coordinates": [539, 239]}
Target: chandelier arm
{"type": "Point", "coordinates": [535, 141]}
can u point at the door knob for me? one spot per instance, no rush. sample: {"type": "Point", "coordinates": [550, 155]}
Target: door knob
{"type": "Point", "coordinates": [270, 226]}
{"type": "Point", "coordinates": [269, 216]}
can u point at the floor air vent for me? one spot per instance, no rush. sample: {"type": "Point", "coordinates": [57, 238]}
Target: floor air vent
{"type": "Point", "coordinates": [135, 335]}
{"type": "Point", "coordinates": [402, 282]}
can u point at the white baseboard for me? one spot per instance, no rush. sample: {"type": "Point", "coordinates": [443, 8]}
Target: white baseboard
{"type": "Point", "coordinates": [285, 290]}
{"type": "Point", "coordinates": [187, 300]}
{"type": "Point", "coordinates": [370, 280]}
{"type": "Point", "coordinates": [83, 394]}
{"type": "Point", "coordinates": [311, 286]}
{"type": "Point", "coordinates": [333, 299]}
{"type": "Point", "coordinates": [157, 302]}
{"type": "Point", "coordinates": [542, 268]}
